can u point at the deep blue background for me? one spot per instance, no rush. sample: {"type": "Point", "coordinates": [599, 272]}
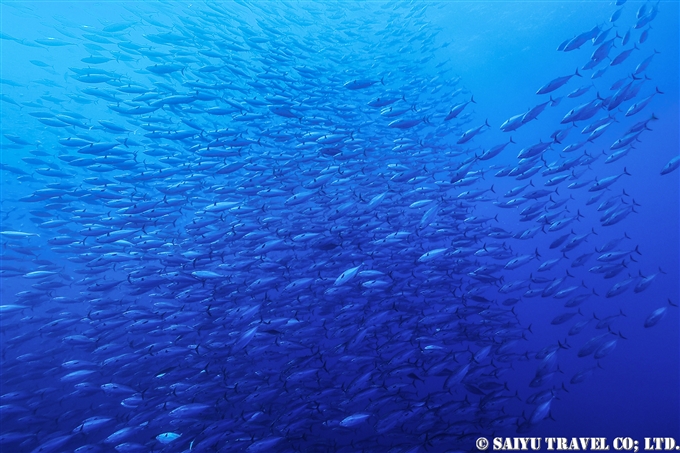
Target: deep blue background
{"type": "Point", "coordinates": [502, 52]}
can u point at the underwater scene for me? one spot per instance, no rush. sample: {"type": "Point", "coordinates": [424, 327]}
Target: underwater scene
{"type": "Point", "coordinates": [339, 226]}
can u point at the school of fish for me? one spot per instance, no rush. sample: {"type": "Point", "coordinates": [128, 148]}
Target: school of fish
{"type": "Point", "coordinates": [241, 227]}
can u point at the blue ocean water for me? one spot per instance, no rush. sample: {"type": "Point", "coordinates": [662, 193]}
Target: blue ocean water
{"type": "Point", "coordinates": [337, 226]}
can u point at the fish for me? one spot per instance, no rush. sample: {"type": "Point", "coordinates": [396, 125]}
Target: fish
{"type": "Point", "coordinates": [672, 165]}
{"type": "Point", "coordinates": [18, 234]}
{"type": "Point", "coordinates": [513, 123]}
{"type": "Point", "coordinates": [644, 283]}
{"type": "Point", "coordinates": [346, 276]}
{"type": "Point", "coordinates": [640, 68]}
{"type": "Point", "coordinates": [469, 134]}
{"type": "Point", "coordinates": [266, 226]}
{"type": "Point", "coordinates": [655, 316]}
{"type": "Point", "coordinates": [621, 287]}
{"type": "Point", "coordinates": [606, 182]}
{"type": "Point", "coordinates": [638, 106]}
{"type": "Point", "coordinates": [579, 40]}
{"type": "Point", "coordinates": [556, 83]}
{"type": "Point", "coordinates": [168, 437]}
{"type": "Point", "coordinates": [533, 113]}
{"type": "Point", "coordinates": [360, 84]}
{"type": "Point", "coordinates": [457, 109]}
